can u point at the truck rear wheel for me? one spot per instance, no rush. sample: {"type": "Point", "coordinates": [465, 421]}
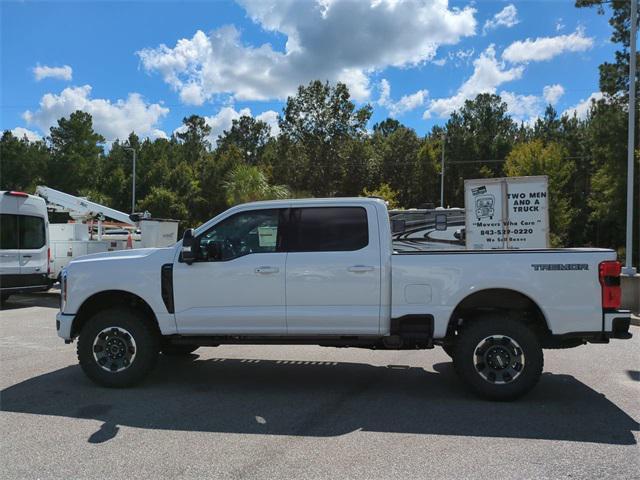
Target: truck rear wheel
{"type": "Point", "coordinates": [117, 348]}
{"type": "Point", "coordinates": [499, 359]}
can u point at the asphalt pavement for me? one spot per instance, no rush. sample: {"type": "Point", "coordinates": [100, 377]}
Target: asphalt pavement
{"type": "Point", "coordinates": [308, 412]}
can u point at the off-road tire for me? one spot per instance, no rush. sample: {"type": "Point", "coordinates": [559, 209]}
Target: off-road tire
{"type": "Point", "coordinates": [470, 343]}
{"type": "Point", "coordinates": [144, 334]}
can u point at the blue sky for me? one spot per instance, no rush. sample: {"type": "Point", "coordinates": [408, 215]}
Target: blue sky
{"type": "Point", "coordinates": [145, 65]}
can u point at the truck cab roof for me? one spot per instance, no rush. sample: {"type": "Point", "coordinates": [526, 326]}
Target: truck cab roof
{"type": "Point", "coordinates": [293, 202]}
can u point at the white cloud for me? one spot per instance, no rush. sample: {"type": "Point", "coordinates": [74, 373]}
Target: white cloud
{"type": "Point", "coordinates": [41, 72]}
{"type": "Point", "coordinates": [528, 108]}
{"type": "Point", "coordinates": [111, 120]}
{"type": "Point", "coordinates": [223, 120]}
{"type": "Point", "coordinates": [270, 117]}
{"type": "Point", "coordinates": [552, 93]}
{"type": "Point", "coordinates": [581, 109]}
{"type": "Point", "coordinates": [327, 39]}
{"type": "Point", "coordinates": [488, 74]}
{"type": "Point", "coordinates": [191, 94]}
{"type": "Point", "coordinates": [545, 48]}
{"type": "Point", "coordinates": [20, 132]}
{"type": "Point", "coordinates": [522, 108]}
{"type": "Point", "coordinates": [157, 133]}
{"type": "Point", "coordinates": [559, 25]}
{"type": "Point", "coordinates": [385, 92]}
{"type": "Point", "coordinates": [507, 17]}
{"type": "Point", "coordinates": [358, 83]}
{"type": "Point", "coordinates": [463, 55]}
{"type": "Point", "coordinates": [459, 57]}
{"type": "Point", "coordinates": [405, 104]}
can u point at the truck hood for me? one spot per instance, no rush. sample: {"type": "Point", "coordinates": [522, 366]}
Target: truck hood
{"type": "Point", "coordinates": [130, 254]}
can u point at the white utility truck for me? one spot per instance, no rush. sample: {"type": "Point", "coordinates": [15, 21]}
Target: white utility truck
{"type": "Point", "coordinates": [325, 272]}
{"type": "Point", "coordinates": [73, 240]}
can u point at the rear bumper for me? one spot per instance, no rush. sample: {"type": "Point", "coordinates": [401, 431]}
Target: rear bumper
{"type": "Point", "coordinates": [19, 283]}
{"type": "Point", "coordinates": [615, 324]}
{"type": "Point", "coordinates": [26, 289]}
{"type": "Point", "coordinates": [63, 325]}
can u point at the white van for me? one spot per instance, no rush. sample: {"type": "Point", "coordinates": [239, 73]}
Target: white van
{"type": "Point", "coordinates": [24, 244]}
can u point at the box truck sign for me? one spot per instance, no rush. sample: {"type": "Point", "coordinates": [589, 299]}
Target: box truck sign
{"type": "Point", "coordinates": [507, 213]}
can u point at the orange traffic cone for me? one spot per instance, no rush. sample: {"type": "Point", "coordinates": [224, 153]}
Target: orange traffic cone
{"type": "Point", "coordinates": [129, 241]}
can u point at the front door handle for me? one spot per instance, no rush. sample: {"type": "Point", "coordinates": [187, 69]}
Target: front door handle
{"type": "Point", "coordinates": [266, 270]}
{"type": "Point", "coordinates": [360, 268]}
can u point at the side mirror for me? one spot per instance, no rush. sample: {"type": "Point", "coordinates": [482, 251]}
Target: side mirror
{"type": "Point", "coordinates": [441, 222]}
{"type": "Point", "coordinates": [189, 247]}
{"type": "Point", "coordinates": [398, 226]}
{"type": "Point", "coordinates": [214, 251]}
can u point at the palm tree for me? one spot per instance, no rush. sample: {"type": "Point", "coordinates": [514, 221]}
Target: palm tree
{"type": "Point", "coordinates": [247, 184]}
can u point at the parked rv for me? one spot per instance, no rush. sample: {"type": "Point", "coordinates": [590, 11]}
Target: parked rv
{"type": "Point", "coordinates": [428, 228]}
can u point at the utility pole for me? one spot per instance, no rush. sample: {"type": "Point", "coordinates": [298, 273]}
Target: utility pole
{"type": "Point", "coordinates": [133, 187]}
{"type": "Point", "coordinates": [628, 263]}
{"type": "Point", "coordinates": [442, 172]}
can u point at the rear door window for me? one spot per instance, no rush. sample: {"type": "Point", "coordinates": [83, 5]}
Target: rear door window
{"type": "Point", "coordinates": [8, 231]}
{"type": "Point", "coordinates": [328, 229]}
{"type": "Point", "coordinates": [32, 234]}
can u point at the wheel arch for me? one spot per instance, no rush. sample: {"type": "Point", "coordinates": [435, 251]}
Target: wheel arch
{"type": "Point", "coordinates": [112, 298]}
{"type": "Point", "coordinates": [504, 300]}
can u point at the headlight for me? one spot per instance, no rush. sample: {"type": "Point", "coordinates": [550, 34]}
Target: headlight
{"type": "Point", "coordinates": [63, 289]}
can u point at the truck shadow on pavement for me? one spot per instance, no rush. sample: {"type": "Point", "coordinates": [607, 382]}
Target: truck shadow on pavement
{"type": "Point", "coordinates": [308, 398]}
{"type": "Point", "coordinates": [49, 299]}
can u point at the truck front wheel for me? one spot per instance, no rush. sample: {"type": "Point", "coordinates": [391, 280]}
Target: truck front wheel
{"type": "Point", "coordinates": [499, 359]}
{"type": "Point", "coordinates": [118, 348]}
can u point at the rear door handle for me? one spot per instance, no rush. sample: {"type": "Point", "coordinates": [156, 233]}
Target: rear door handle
{"type": "Point", "coordinates": [26, 256]}
{"type": "Point", "coordinates": [265, 270]}
{"type": "Point", "coordinates": [360, 268]}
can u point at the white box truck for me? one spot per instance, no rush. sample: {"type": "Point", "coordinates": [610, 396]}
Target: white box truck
{"type": "Point", "coordinates": [507, 213]}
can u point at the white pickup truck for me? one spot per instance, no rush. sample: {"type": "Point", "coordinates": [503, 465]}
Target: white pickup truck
{"type": "Point", "coordinates": [325, 272]}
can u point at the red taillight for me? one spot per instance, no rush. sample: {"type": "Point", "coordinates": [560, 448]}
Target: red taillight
{"type": "Point", "coordinates": [609, 276]}
{"type": "Point", "coordinates": [16, 194]}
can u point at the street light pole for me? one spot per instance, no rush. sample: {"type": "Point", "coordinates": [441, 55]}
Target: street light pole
{"type": "Point", "coordinates": [442, 173]}
{"type": "Point", "coordinates": [628, 265]}
{"type": "Point", "coordinates": [133, 187]}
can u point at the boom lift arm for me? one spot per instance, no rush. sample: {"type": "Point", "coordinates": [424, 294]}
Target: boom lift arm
{"type": "Point", "coordinates": [80, 208]}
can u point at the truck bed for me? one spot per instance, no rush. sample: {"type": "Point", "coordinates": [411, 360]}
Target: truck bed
{"type": "Point", "coordinates": [555, 279]}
